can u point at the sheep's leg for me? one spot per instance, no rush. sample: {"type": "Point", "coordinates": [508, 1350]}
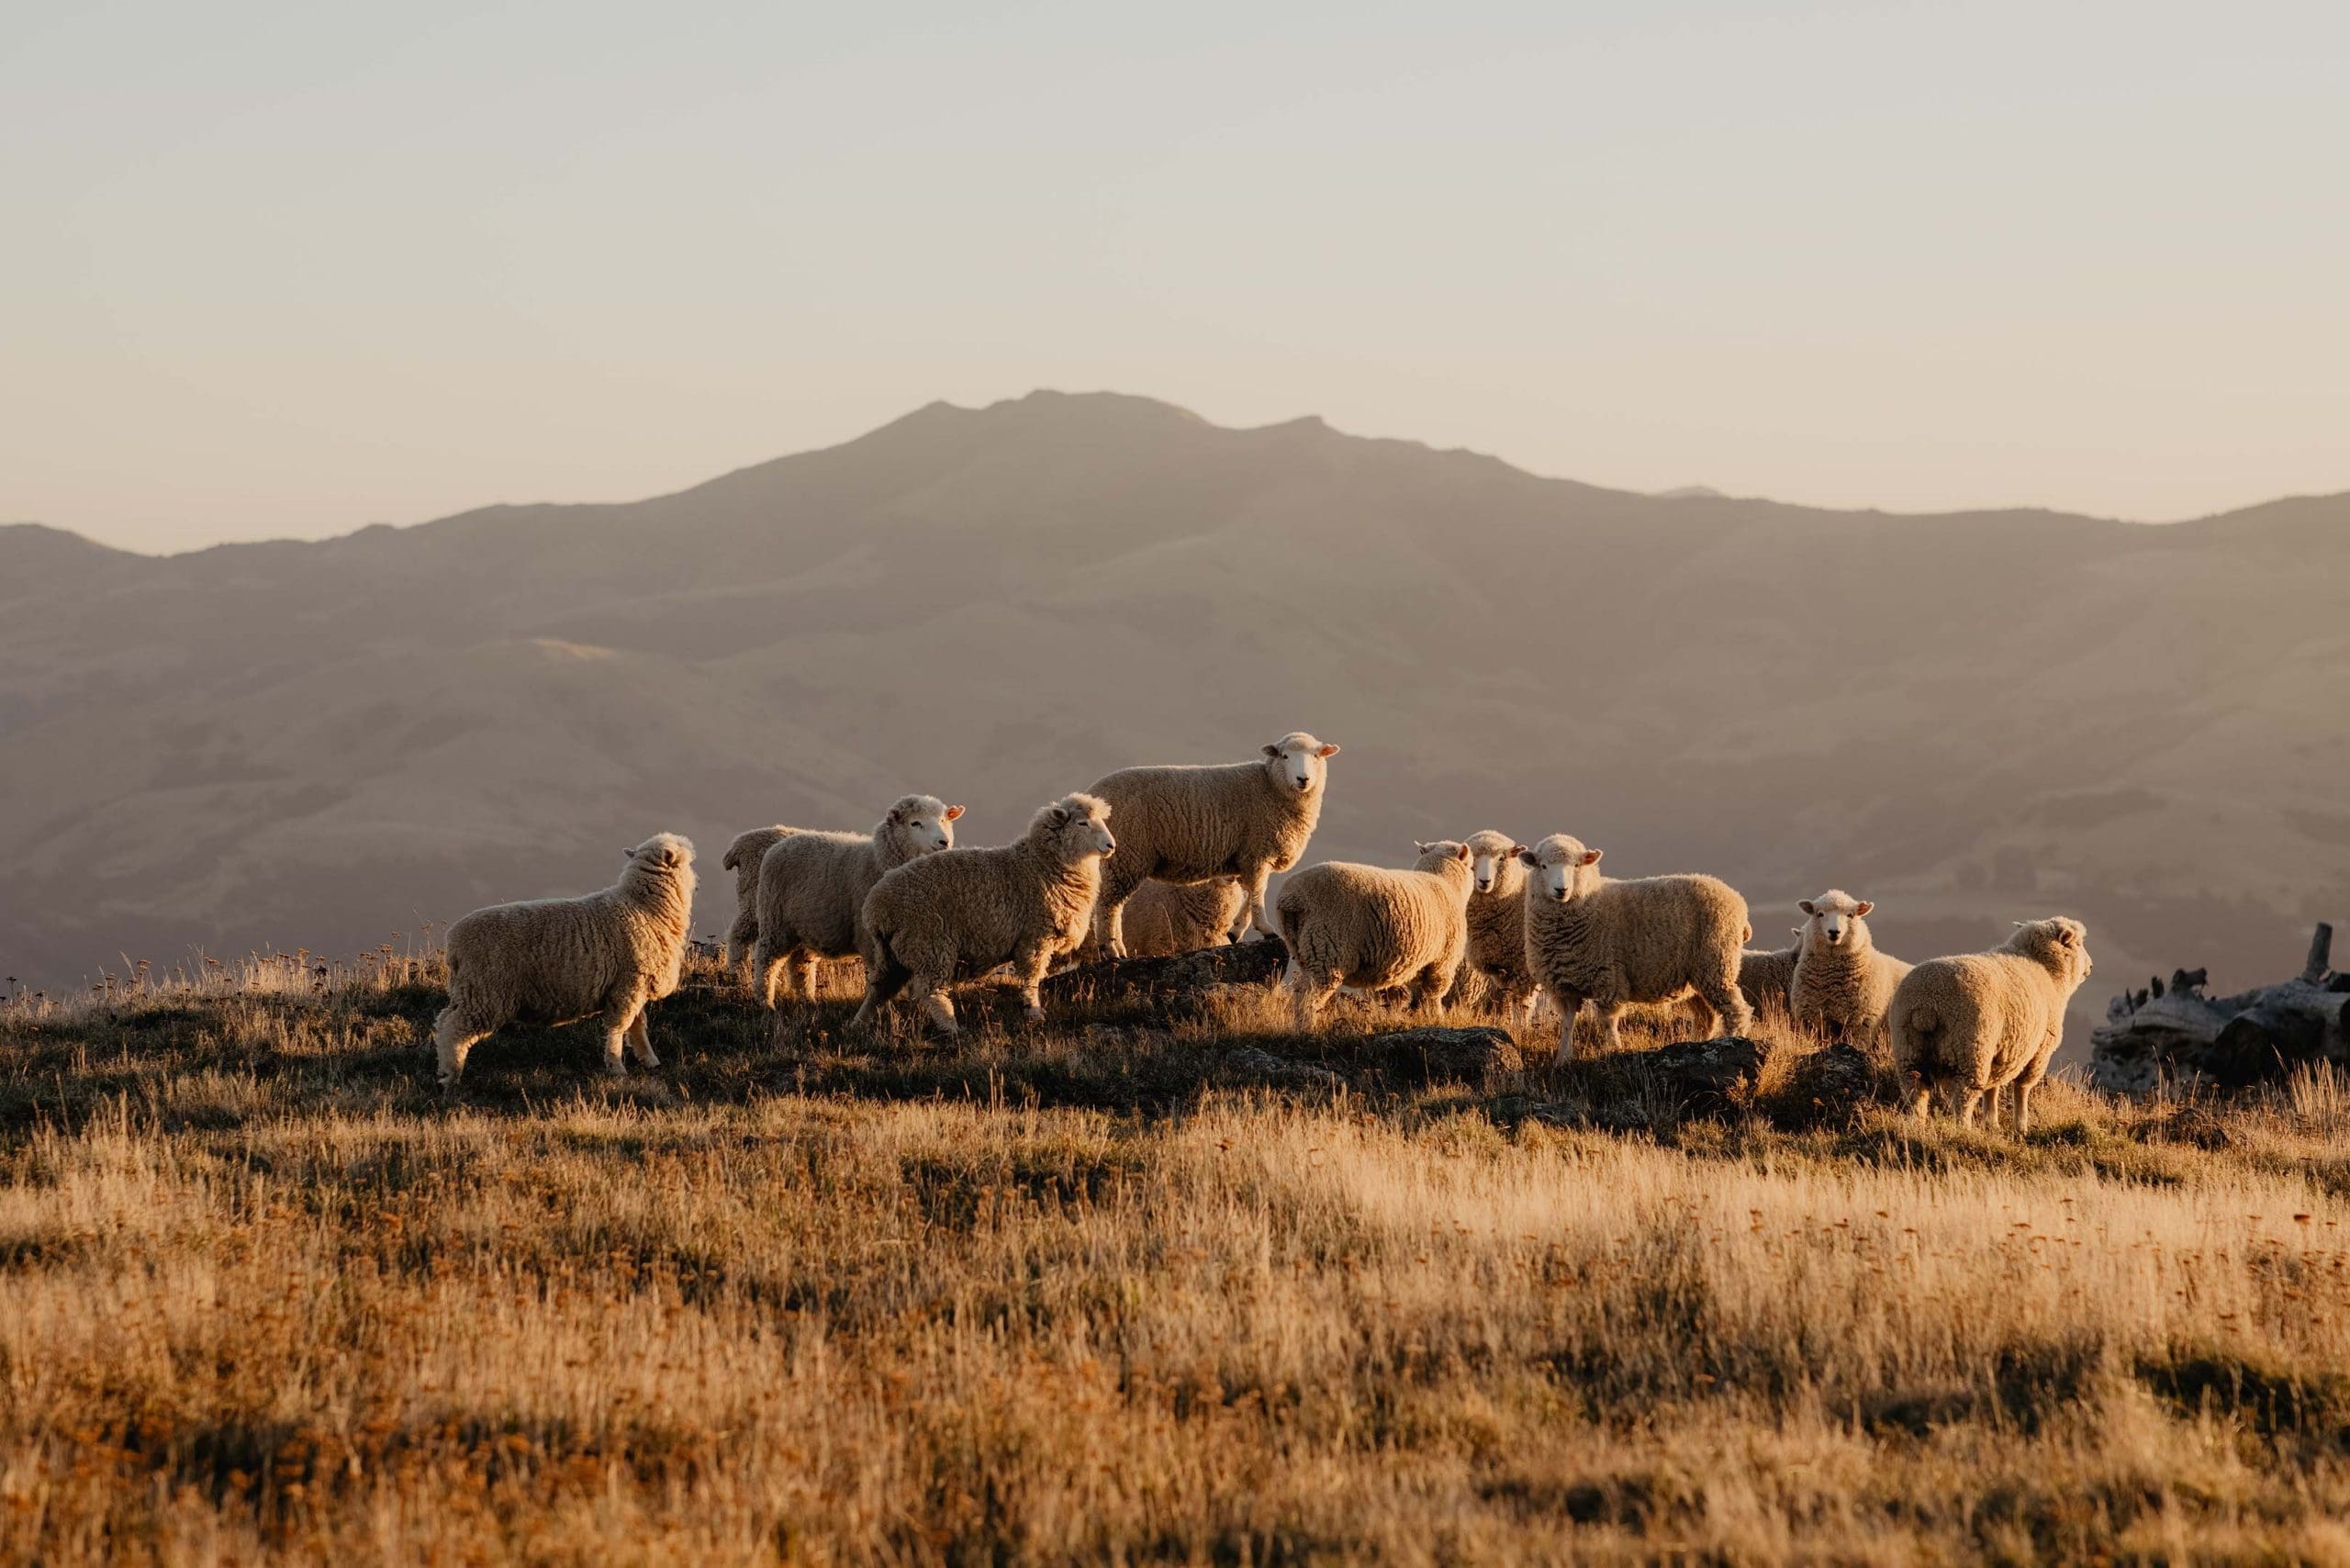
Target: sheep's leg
{"type": "Point", "coordinates": [2023, 1104]}
{"type": "Point", "coordinates": [1110, 922]}
{"type": "Point", "coordinates": [1991, 1109]}
{"type": "Point", "coordinates": [1610, 1013]}
{"type": "Point", "coordinates": [453, 1039]}
{"type": "Point", "coordinates": [1967, 1101]}
{"type": "Point", "coordinates": [800, 973]}
{"type": "Point", "coordinates": [615, 1026]}
{"type": "Point", "coordinates": [1568, 1005]}
{"type": "Point", "coordinates": [765, 963]}
{"type": "Point", "coordinates": [640, 1040]}
{"type": "Point", "coordinates": [1921, 1103]}
{"type": "Point", "coordinates": [741, 938]}
{"type": "Point", "coordinates": [1029, 966]}
{"type": "Point", "coordinates": [1253, 916]}
{"type": "Point", "coordinates": [1732, 1013]}
{"type": "Point", "coordinates": [1313, 993]}
{"type": "Point", "coordinates": [932, 1005]}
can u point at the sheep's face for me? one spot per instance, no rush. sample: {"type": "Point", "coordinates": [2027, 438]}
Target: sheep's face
{"type": "Point", "coordinates": [1443, 852]}
{"type": "Point", "coordinates": [1489, 854]}
{"type": "Point", "coordinates": [1554, 866]}
{"type": "Point", "coordinates": [662, 852]}
{"type": "Point", "coordinates": [1078, 828]}
{"type": "Point", "coordinates": [1835, 918]}
{"type": "Point", "coordinates": [926, 823]}
{"type": "Point", "coordinates": [1298, 762]}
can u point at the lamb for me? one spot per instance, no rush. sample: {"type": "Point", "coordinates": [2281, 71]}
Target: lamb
{"type": "Point", "coordinates": [1370, 927]}
{"type": "Point", "coordinates": [604, 955]}
{"type": "Point", "coordinates": [1842, 984]}
{"type": "Point", "coordinates": [1245, 820]}
{"type": "Point", "coordinates": [813, 888]}
{"type": "Point", "coordinates": [1970, 1025]}
{"type": "Point", "coordinates": [962, 912]}
{"type": "Point", "coordinates": [1166, 918]}
{"type": "Point", "coordinates": [1497, 920]}
{"type": "Point", "coordinates": [1614, 944]}
{"type": "Point", "coordinates": [743, 857]}
{"type": "Point", "coordinates": [1765, 976]}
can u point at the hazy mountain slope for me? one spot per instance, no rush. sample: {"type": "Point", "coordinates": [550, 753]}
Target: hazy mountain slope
{"type": "Point", "coordinates": [1970, 719]}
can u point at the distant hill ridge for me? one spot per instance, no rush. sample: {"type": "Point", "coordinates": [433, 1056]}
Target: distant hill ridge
{"type": "Point", "coordinates": [1970, 718]}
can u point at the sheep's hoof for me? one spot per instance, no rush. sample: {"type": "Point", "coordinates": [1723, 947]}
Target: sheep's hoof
{"type": "Point", "coordinates": [615, 1068]}
{"type": "Point", "coordinates": [1034, 1014]}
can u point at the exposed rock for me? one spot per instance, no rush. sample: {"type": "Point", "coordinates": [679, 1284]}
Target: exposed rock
{"type": "Point", "coordinates": [2175, 1036]}
{"type": "Point", "coordinates": [1701, 1072]}
{"type": "Point", "coordinates": [1826, 1088]}
{"type": "Point", "coordinates": [1180, 978]}
{"type": "Point", "coordinates": [1269, 1069]}
{"type": "Point", "coordinates": [1474, 1055]}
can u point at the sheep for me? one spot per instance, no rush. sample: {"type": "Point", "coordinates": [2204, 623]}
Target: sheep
{"type": "Point", "coordinates": [1765, 976]}
{"type": "Point", "coordinates": [1497, 920]}
{"type": "Point", "coordinates": [1591, 938]}
{"type": "Point", "coordinates": [1245, 820]}
{"type": "Point", "coordinates": [813, 888]}
{"type": "Point", "coordinates": [743, 857]}
{"type": "Point", "coordinates": [604, 955]}
{"type": "Point", "coordinates": [1842, 984]}
{"type": "Point", "coordinates": [963, 912]}
{"type": "Point", "coordinates": [1970, 1025]}
{"type": "Point", "coordinates": [1370, 927]}
{"type": "Point", "coordinates": [1166, 918]}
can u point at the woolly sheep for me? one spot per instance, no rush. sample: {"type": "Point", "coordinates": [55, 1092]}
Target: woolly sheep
{"type": "Point", "coordinates": [1245, 820]}
{"type": "Point", "coordinates": [813, 888]}
{"type": "Point", "coordinates": [605, 957]}
{"type": "Point", "coordinates": [1842, 984]}
{"type": "Point", "coordinates": [1970, 1025]}
{"type": "Point", "coordinates": [743, 857]}
{"type": "Point", "coordinates": [962, 912]}
{"type": "Point", "coordinates": [1765, 976]}
{"type": "Point", "coordinates": [1369, 927]}
{"type": "Point", "coordinates": [1166, 918]}
{"type": "Point", "coordinates": [1589, 937]}
{"type": "Point", "coordinates": [1497, 920]}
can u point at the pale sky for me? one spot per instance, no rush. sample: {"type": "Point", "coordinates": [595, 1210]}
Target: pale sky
{"type": "Point", "coordinates": [288, 269]}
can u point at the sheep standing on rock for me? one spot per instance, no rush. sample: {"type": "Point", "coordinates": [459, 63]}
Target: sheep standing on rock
{"type": "Point", "coordinates": [743, 857]}
{"type": "Point", "coordinates": [960, 913]}
{"type": "Point", "coordinates": [813, 888]}
{"type": "Point", "coordinates": [1244, 820]}
{"type": "Point", "coordinates": [1842, 984]}
{"type": "Point", "coordinates": [605, 957]}
{"type": "Point", "coordinates": [1970, 1025]}
{"type": "Point", "coordinates": [1370, 927]}
{"type": "Point", "coordinates": [1166, 918]}
{"type": "Point", "coordinates": [1497, 920]}
{"type": "Point", "coordinates": [1591, 938]}
{"type": "Point", "coordinates": [1765, 976]}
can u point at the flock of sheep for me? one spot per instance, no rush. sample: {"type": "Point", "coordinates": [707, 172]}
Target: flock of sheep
{"type": "Point", "coordinates": [1187, 867]}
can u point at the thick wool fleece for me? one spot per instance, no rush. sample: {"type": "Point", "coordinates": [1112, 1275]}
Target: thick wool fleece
{"type": "Point", "coordinates": [604, 955]}
{"type": "Point", "coordinates": [1372, 927]}
{"type": "Point", "coordinates": [1969, 1026]}
{"type": "Point", "coordinates": [1764, 977]}
{"type": "Point", "coordinates": [1842, 984]}
{"type": "Point", "coordinates": [743, 857]}
{"type": "Point", "coordinates": [1166, 918]}
{"type": "Point", "coordinates": [1618, 944]}
{"type": "Point", "coordinates": [1497, 920]}
{"type": "Point", "coordinates": [962, 912]}
{"type": "Point", "coordinates": [1244, 820]}
{"type": "Point", "coordinates": [813, 888]}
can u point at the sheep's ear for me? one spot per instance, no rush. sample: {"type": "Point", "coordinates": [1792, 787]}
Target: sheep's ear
{"type": "Point", "coordinates": [953, 813]}
{"type": "Point", "coordinates": [1804, 905]}
{"type": "Point", "coordinates": [1273, 751]}
{"type": "Point", "coordinates": [1866, 906]}
{"type": "Point", "coordinates": [1058, 816]}
{"type": "Point", "coordinates": [628, 852]}
{"type": "Point", "coordinates": [1519, 850]}
{"type": "Point", "coordinates": [1532, 858]}
{"type": "Point", "coordinates": [1328, 751]}
{"type": "Point", "coordinates": [1463, 852]}
{"type": "Point", "coordinates": [1421, 848]}
{"type": "Point", "coordinates": [897, 813]}
{"type": "Point", "coordinates": [2065, 935]}
{"type": "Point", "coordinates": [1590, 857]}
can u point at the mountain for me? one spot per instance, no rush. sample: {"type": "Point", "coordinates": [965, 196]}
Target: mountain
{"type": "Point", "coordinates": [1971, 719]}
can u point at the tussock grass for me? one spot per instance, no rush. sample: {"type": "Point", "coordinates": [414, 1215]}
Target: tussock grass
{"type": "Point", "coordinates": [1086, 1293]}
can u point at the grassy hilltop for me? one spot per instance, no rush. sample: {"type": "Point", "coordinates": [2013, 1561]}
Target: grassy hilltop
{"type": "Point", "coordinates": [1100, 1292]}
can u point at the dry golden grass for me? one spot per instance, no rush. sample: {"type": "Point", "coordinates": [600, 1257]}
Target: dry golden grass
{"type": "Point", "coordinates": [1084, 1295]}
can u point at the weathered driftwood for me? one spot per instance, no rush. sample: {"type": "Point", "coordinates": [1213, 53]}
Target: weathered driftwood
{"type": "Point", "coordinates": [2175, 1037]}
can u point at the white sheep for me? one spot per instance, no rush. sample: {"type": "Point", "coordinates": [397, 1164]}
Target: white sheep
{"type": "Point", "coordinates": [1370, 927]}
{"type": "Point", "coordinates": [743, 857]}
{"type": "Point", "coordinates": [1591, 938]}
{"type": "Point", "coordinates": [1765, 976]}
{"type": "Point", "coordinates": [1244, 820]}
{"type": "Point", "coordinates": [1969, 1026]}
{"type": "Point", "coordinates": [960, 913]}
{"type": "Point", "coordinates": [1842, 984]}
{"type": "Point", "coordinates": [606, 956]}
{"type": "Point", "coordinates": [1497, 920]}
{"type": "Point", "coordinates": [813, 888]}
{"type": "Point", "coordinates": [1165, 918]}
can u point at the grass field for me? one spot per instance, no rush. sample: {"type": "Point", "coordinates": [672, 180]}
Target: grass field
{"type": "Point", "coordinates": [1096, 1294]}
